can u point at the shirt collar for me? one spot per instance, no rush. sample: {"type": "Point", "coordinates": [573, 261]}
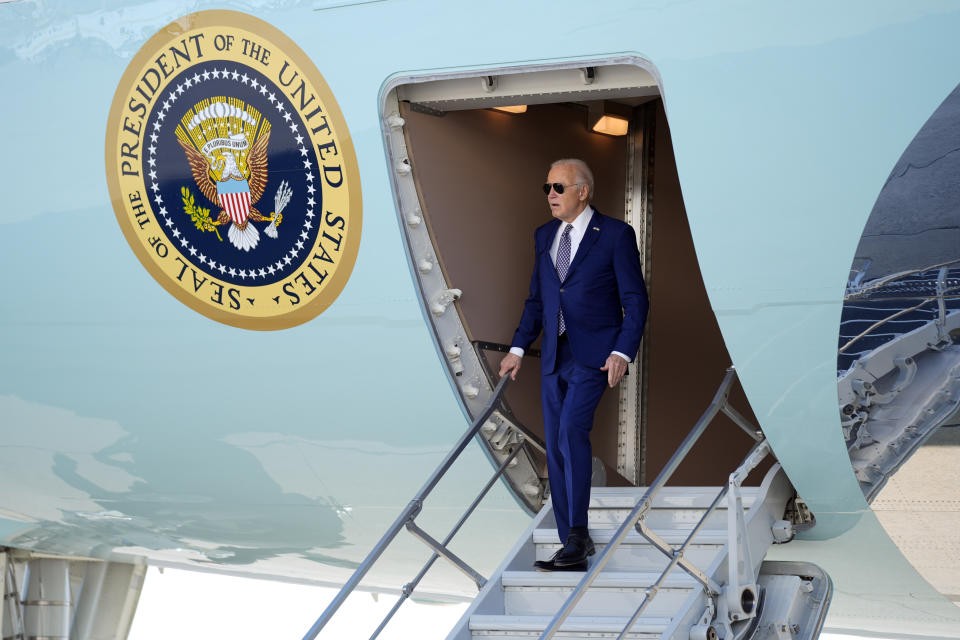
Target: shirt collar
{"type": "Point", "coordinates": [582, 221]}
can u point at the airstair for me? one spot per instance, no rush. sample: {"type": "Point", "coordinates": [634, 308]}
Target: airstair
{"type": "Point", "coordinates": [675, 563]}
{"type": "Point", "coordinates": [518, 602]}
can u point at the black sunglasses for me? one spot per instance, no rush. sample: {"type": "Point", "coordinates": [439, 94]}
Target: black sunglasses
{"type": "Point", "coordinates": [558, 187]}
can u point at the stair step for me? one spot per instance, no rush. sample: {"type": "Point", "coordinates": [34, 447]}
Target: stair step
{"type": "Point", "coordinates": [607, 579]}
{"type": "Point", "coordinates": [613, 593]}
{"type": "Point", "coordinates": [667, 498]}
{"type": "Point", "coordinates": [636, 553]}
{"type": "Point", "coordinates": [658, 518]}
{"type": "Point", "coordinates": [604, 535]}
{"type": "Point", "coordinates": [524, 627]}
{"type": "Point", "coordinates": [684, 507]}
{"type": "Point", "coordinates": [641, 557]}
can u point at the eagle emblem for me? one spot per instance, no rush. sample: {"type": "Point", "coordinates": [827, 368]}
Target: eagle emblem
{"type": "Point", "coordinates": [225, 142]}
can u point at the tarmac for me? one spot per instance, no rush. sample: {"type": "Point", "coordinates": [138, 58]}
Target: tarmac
{"type": "Point", "coordinates": [920, 509]}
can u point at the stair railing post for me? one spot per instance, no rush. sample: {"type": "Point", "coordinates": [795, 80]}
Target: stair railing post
{"type": "Point", "coordinates": [408, 514]}
{"type": "Point", "coordinates": [740, 592]}
{"type": "Point", "coordinates": [677, 558]}
{"type": "Point", "coordinates": [409, 588]}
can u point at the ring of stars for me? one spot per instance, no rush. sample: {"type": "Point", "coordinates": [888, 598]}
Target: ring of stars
{"type": "Point", "coordinates": [261, 272]}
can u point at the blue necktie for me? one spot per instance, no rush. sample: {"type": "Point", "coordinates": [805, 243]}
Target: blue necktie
{"type": "Point", "coordinates": [563, 263]}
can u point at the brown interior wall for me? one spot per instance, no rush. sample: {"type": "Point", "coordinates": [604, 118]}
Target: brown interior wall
{"type": "Point", "coordinates": [687, 357]}
{"type": "Point", "coordinates": [479, 173]}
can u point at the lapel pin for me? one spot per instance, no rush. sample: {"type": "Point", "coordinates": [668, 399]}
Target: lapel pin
{"type": "Point", "coordinates": [596, 228]}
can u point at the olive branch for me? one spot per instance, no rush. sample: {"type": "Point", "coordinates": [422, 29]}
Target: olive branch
{"type": "Point", "coordinates": [199, 215]}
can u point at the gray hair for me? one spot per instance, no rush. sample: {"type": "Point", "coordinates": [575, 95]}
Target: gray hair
{"type": "Point", "coordinates": [584, 174]}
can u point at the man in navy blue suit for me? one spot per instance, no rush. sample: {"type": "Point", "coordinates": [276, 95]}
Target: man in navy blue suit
{"type": "Point", "coordinates": [588, 297]}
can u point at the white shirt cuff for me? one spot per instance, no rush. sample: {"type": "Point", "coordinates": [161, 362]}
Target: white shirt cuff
{"type": "Point", "coordinates": [517, 351]}
{"type": "Point", "coordinates": [622, 355]}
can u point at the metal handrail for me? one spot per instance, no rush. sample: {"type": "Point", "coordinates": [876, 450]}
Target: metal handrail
{"type": "Point", "coordinates": [409, 514]}
{"type": "Point", "coordinates": [636, 516]}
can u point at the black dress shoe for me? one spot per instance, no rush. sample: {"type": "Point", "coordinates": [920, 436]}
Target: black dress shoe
{"type": "Point", "coordinates": [575, 552]}
{"type": "Point", "coordinates": [549, 565]}
{"type": "Point", "coordinates": [546, 565]}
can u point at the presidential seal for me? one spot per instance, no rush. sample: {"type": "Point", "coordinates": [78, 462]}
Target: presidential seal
{"type": "Point", "coordinates": [232, 173]}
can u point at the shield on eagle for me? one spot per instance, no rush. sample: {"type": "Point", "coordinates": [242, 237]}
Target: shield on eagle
{"type": "Point", "coordinates": [234, 196]}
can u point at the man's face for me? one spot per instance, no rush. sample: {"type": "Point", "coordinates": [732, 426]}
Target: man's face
{"type": "Point", "coordinates": [573, 200]}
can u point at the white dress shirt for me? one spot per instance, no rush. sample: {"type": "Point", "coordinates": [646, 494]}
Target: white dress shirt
{"type": "Point", "coordinates": [580, 225]}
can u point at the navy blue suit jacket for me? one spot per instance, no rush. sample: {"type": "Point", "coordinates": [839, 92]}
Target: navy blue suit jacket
{"type": "Point", "coordinates": [604, 298]}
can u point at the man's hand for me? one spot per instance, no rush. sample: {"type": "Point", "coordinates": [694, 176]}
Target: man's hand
{"type": "Point", "coordinates": [510, 364]}
{"type": "Point", "coordinates": [615, 368]}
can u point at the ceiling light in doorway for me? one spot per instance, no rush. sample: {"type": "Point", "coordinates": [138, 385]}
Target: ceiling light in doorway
{"type": "Point", "coordinates": [609, 118]}
{"type": "Point", "coordinates": [611, 125]}
{"type": "Point", "coordinates": [516, 108]}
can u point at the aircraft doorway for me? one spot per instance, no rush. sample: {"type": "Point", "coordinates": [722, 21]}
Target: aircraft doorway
{"type": "Point", "coordinates": [477, 174]}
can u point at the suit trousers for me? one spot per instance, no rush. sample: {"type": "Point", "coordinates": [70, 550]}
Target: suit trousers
{"type": "Point", "coordinates": [570, 396]}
